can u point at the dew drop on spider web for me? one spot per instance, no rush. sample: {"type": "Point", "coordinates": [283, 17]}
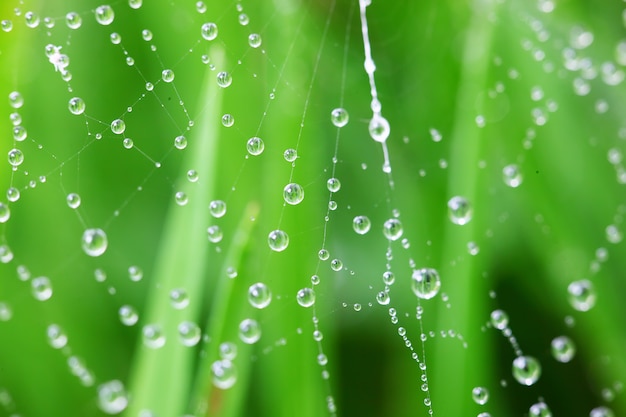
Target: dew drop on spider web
{"type": "Point", "coordinates": [224, 373]}
{"type": "Point", "coordinates": [112, 397]}
{"type": "Point", "coordinates": [116, 38]}
{"type": "Point", "coordinates": [56, 336]}
{"type": "Point", "coordinates": [383, 298]}
{"type": "Point", "coordinates": [128, 315]}
{"type": "Point", "coordinates": [217, 208]}
{"type": "Point", "coordinates": [361, 224]}
{"type": "Point", "coordinates": [128, 143]}
{"type": "Point", "coordinates": [333, 185]}
{"type": "Point", "coordinates": [135, 4]}
{"type": "Point", "coordinates": [613, 234]}
{"type": "Point", "coordinates": [180, 142]}
{"type": "Point", "coordinates": [19, 133]}
{"type": "Point", "coordinates": [379, 128]}
{"type": "Point", "coordinates": [254, 40]}
{"type": "Point", "coordinates": [209, 31]}
{"type": "Point", "coordinates": [94, 242]}
{"type": "Point", "coordinates": [425, 283]}
{"type": "Point", "coordinates": [249, 331]}
{"type": "Point", "coordinates": [293, 193]}
{"type": "Point", "coordinates": [512, 176]}
{"type": "Point", "coordinates": [499, 319]}
{"type": "Point", "coordinates": [73, 200]}
{"type": "Point", "coordinates": [388, 278]}
{"type": "Point", "coordinates": [15, 157]}
{"type": "Point", "coordinates": [259, 295]}
{"type": "Point", "coordinates": [73, 20]}
{"type": "Point", "coordinates": [192, 175]}
{"type": "Point", "coordinates": [306, 297]}
{"type": "Point", "coordinates": [189, 333]}
{"type": "Point", "coordinates": [16, 100]}
{"type": "Point", "coordinates": [215, 234]}
{"type": "Point", "coordinates": [323, 254]}
{"type": "Point", "coordinates": [179, 299]}
{"type": "Point", "coordinates": [480, 395]}
{"type": "Point", "coordinates": [135, 273]}
{"type": "Point", "coordinates": [224, 79]}
{"type": "Point", "coordinates": [76, 105]}
{"type": "Point", "coordinates": [563, 349]}
{"type": "Point", "coordinates": [6, 25]}
{"type": "Point", "coordinates": [582, 295]}
{"type": "Point", "coordinates": [459, 210]}
{"type": "Point", "coordinates": [290, 155]}
{"type": "Point", "coordinates": [118, 126]}
{"type": "Point", "coordinates": [601, 412]}
{"type": "Point", "coordinates": [278, 240]}
{"type": "Point", "coordinates": [104, 15]}
{"type": "Point", "coordinates": [41, 288]}
{"type": "Point", "coordinates": [526, 370]}
{"type": "Point", "coordinates": [153, 336]}
{"type": "Point", "coordinates": [392, 229]}
{"type": "Point", "coordinates": [339, 117]}
{"type": "Point", "coordinates": [228, 120]}
{"type": "Point", "coordinates": [167, 75]}
{"type": "Point", "coordinates": [181, 198]}
{"type": "Point", "coordinates": [228, 350]}
{"type": "Point", "coordinates": [255, 146]}
{"type": "Point", "coordinates": [146, 35]}
{"type": "Point", "coordinates": [5, 212]}
{"type": "Point", "coordinates": [539, 409]}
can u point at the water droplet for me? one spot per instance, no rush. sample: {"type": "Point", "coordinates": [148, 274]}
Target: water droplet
{"type": "Point", "coordinates": [56, 336]}
{"type": "Point", "coordinates": [323, 254]}
{"type": "Point", "coordinates": [228, 120]}
{"type": "Point", "coordinates": [16, 100]}
{"type": "Point", "coordinates": [278, 240]}
{"type": "Point", "coordinates": [361, 224]}
{"type": "Point", "coordinates": [5, 213]}
{"type": "Point", "coordinates": [73, 20]}
{"type": "Point", "coordinates": [582, 295]}
{"type": "Point", "coordinates": [293, 193]}
{"type": "Point", "coordinates": [181, 198]}
{"type": "Point", "coordinates": [425, 283]}
{"type": "Point", "coordinates": [6, 255]}
{"type": "Point", "coordinates": [135, 273]}
{"type": "Point", "coordinates": [254, 40]}
{"type": "Point", "coordinates": [224, 373]}
{"type": "Point", "coordinates": [112, 398]}
{"type": "Point", "coordinates": [613, 234]}
{"type": "Point", "coordinates": [499, 319]}
{"type": "Point", "coordinates": [16, 157]}
{"type": "Point", "coordinates": [306, 297]}
{"type": "Point", "coordinates": [41, 288]}
{"type": "Point", "coordinates": [153, 336]}
{"type": "Point", "coordinates": [383, 298]}
{"type": "Point", "coordinates": [118, 126]}
{"type": "Point", "coordinates": [116, 39]}
{"type": "Point", "coordinates": [215, 234]}
{"type": "Point", "coordinates": [94, 242]}
{"type": "Point", "coordinates": [224, 79]}
{"type": "Point", "coordinates": [336, 264]}
{"type": "Point", "coordinates": [149, 86]}
{"type": "Point", "coordinates": [539, 409]}
{"type": "Point", "coordinates": [180, 142]}
{"type": "Point", "coordinates": [255, 146]}
{"type": "Point", "coordinates": [459, 210]}
{"type": "Point", "coordinates": [5, 312]}
{"type": "Point", "coordinates": [128, 315]}
{"type": "Point", "coordinates": [244, 19]}
{"type": "Point", "coordinates": [526, 370]}
{"type": "Point", "coordinates": [135, 4]}
{"type": "Point", "coordinates": [32, 19]}
{"type": "Point", "coordinates": [435, 135]}
{"type": "Point", "coordinates": [480, 395]}
{"type": "Point", "coordinates": [290, 155]}
{"type": "Point", "coordinates": [209, 31]}
{"type": "Point", "coordinates": [73, 200]}
{"type": "Point", "coordinates": [167, 75]}
{"type": "Point", "coordinates": [563, 349]}
{"type": "Point", "coordinates": [179, 298]}
{"type": "Point", "coordinates": [259, 295]}
{"type": "Point", "coordinates": [392, 229]}
{"type": "Point", "coordinates": [512, 176]}
{"type": "Point", "coordinates": [19, 133]}
{"type": "Point", "coordinates": [7, 25]}
{"type": "Point", "coordinates": [389, 278]}
{"type": "Point", "coordinates": [249, 331]}
{"type": "Point", "coordinates": [601, 412]}
{"type": "Point", "coordinates": [333, 185]}
{"type": "Point", "coordinates": [104, 15]}
{"type": "Point", "coordinates": [128, 143]}
{"type": "Point", "coordinates": [189, 333]}
{"type": "Point", "coordinates": [13, 194]}
{"type": "Point", "coordinates": [339, 117]}
{"type": "Point", "coordinates": [379, 128]}
{"type": "Point", "coordinates": [228, 350]}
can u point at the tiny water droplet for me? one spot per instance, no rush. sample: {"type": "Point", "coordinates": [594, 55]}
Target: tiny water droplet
{"type": "Point", "coordinates": [167, 75]}
{"type": "Point", "coordinates": [379, 128]}
{"type": "Point", "coordinates": [56, 336]}
{"type": "Point", "coordinates": [582, 295]}
{"type": "Point", "coordinates": [215, 234]}
{"type": "Point", "coordinates": [499, 319]}
{"type": "Point", "coordinates": [118, 126]}
{"type": "Point", "coordinates": [306, 297]}
{"type": "Point", "coordinates": [224, 374]}
{"type": "Point", "coordinates": [254, 40]}
{"type": "Point", "coordinates": [179, 299]}
{"type": "Point", "coordinates": [224, 79]}
{"type": "Point", "coordinates": [539, 409]}
{"type": "Point", "coordinates": [112, 397]}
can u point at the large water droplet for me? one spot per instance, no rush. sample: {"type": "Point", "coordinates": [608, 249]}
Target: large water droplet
{"type": "Point", "coordinates": [293, 193]}
{"type": "Point", "coordinates": [306, 297]}
{"type": "Point", "coordinates": [128, 315]}
{"type": "Point", "coordinates": [255, 146]}
{"type": "Point", "coordinates": [118, 126]}
{"type": "Point", "coordinates": [224, 79]}
{"type": "Point", "coordinates": [41, 288]}
{"type": "Point", "coordinates": [278, 240]}
{"type": "Point", "coordinates": [180, 142]}
{"type": "Point", "coordinates": [73, 20]}
{"type": "Point", "coordinates": [167, 75]}
{"type": "Point", "coordinates": [425, 283]}
{"type": "Point", "coordinates": [582, 295]}
{"type": "Point", "coordinates": [189, 333]}
{"type": "Point", "coordinates": [249, 331]}
{"type": "Point", "coordinates": [104, 15]}
{"type": "Point", "coordinates": [361, 224]}
{"type": "Point", "coordinates": [209, 31]}
{"type": "Point", "coordinates": [392, 229]}
{"type": "Point", "coordinates": [254, 40]}
{"type": "Point", "coordinates": [217, 208]}
{"type": "Point", "coordinates": [499, 319]}
{"type": "Point", "coordinates": [5, 213]}
{"type": "Point", "coordinates": [73, 200]}
{"type": "Point", "coordinates": [94, 242]}
{"type": "Point", "coordinates": [526, 370]}
{"type": "Point", "coordinates": [224, 373]}
{"type": "Point", "coordinates": [112, 398]}
{"type": "Point", "coordinates": [563, 349]}
{"type": "Point", "coordinates": [339, 117]}
{"type": "Point", "coordinates": [459, 210]}
{"type": "Point", "coordinates": [480, 395]}
{"type": "Point", "coordinates": [333, 185]}
{"type": "Point", "coordinates": [153, 336]}
{"type": "Point", "coordinates": [259, 295]}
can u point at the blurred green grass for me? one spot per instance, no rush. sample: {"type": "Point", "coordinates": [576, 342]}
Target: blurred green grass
{"type": "Point", "coordinates": [437, 63]}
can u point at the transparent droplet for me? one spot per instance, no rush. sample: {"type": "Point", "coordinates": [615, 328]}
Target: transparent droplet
{"type": "Point", "coordinates": [322, 359]}
{"type": "Point", "coordinates": [189, 333]}
{"type": "Point", "coordinates": [480, 395]}
{"type": "Point", "coordinates": [153, 336]}
{"type": "Point", "coordinates": [13, 194]}
{"type": "Point", "coordinates": [118, 126]}
{"type": "Point", "coordinates": [192, 175]}
{"type": "Point", "coordinates": [167, 75]}
{"type": "Point", "coordinates": [389, 278]}
{"type": "Point", "coordinates": [180, 142]}
{"type": "Point", "coordinates": [435, 135]}
{"type": "Point", "coordinates": [526, 370]}
{"type": "Point", "coordinates": [249, 331]}
{"type": "Point", "coordinates": [290, 155]}
{"type": "Point", "coordinates": [339, 117]}
{"type": "Point", "coordinates": [224, 79]}
{"type": "Point", "coordinates": [336, 265]}
{"type": "Point", "coordinates": [116, 39]}
{"type": "Point", "coordinates": [16, 157]}
{"type": "Point", "coordinates": [112, 397]}
{"type": "Point", "coordinates": [601, 412]}
{"type": "Point", "coordinates": [209, 31]}
{"type": "Point", "coordinates": [32, 19]}
{"type": "Point", "coordinates": [278, 240]}
{"type": "Point", "coordinates": [361, 224]}
{"type": "Point", "coordinates": [333, 185]}
{"type": "Point", "coordinates": [73, 20]}
{"type": "Point", "coordinates": [217, 208]}
{"type": "Point", "coordinates": [293, 193]}
{"type": "Point", "coordinates": [19, 133]}
{"type": "Point", "coordinates": [323, 254]}
{"type": "Point", "coordinates": [94, 242]}
{"type": "Point", "coordinates": [255, 146]}
{"type": "Point", "coordinates": [392, 229]}
{"type": "Point", "coordinates": [228, 350]}
{"type": "Point", "coordinates": [228, 120]}
{"type": "Point", "coordinates": [5, 213]}
{"type": "Point", "coordinates": [56, 336]}
{"type": "Point", "coordinates": [224, 374]}
{"type": "Point", "coordinates": [512, 175]}
{"type": "Point", "coordinates": [582, 295]}
{"type": "Point", "coordinates": [6, 255]}
{"type": "Point", "coordinates": [379, 128]}
{"type": "Point", "coordinates": [459, 210]}
{"type": "Point", "coordinates": [181, 198]}
{"type": "Point", "coordinates": [539, 409]}
{"type": "Point", "coordinates": [201, 7]}
{"type": "Point", "coordinates": [73, 200]}
{"type": "Point", "coordinates": [16, 100]}
{"type": "Point", "coordinates": [425, 283]}
{"type": "Point", "coordinates": [128, 315]}
{"type": "Point", "coordinates": [5, 312]}
{"type": "Point", "coordinates": [254, 40]}
{"type": "Point", "coordinates": [128, 143]}
{"type": "Point", "coordinates": [499, 319]}
{"type": "Point", "coordinates": [259, 295]}
{"type": "Point", "coordinates": [135, 273]}
{"type": "Point", "coordinates": [563, 349]}
{"type": "Point", "coordinates": [16, 118]}
{"type": "Point", "coordinates": [613, 234]}
{"type": "Point", "coordinates": [215, 234]}
{"type": "Point", "coordinates": [6, 25]}
{"type": "Point", "coordinates": [383, 298]}
{"type": "Point", "coordinates": [41, 288]}
{"type": "Point", "coordinates": [104, 15]}
{"type": "Point", "coordinates": [306, 297]}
